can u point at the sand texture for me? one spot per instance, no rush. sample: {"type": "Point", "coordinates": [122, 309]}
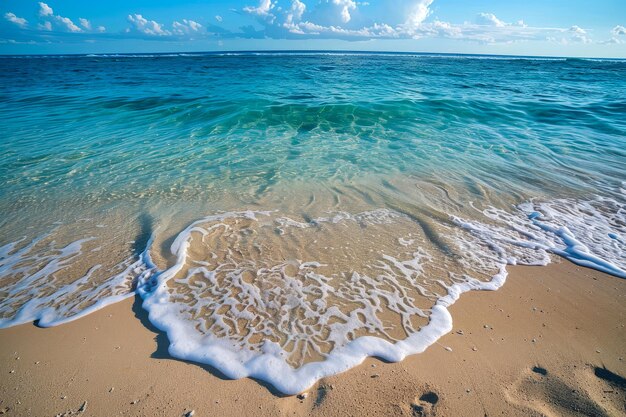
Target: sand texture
{"type": "Point", "coordinates": [551, 342]}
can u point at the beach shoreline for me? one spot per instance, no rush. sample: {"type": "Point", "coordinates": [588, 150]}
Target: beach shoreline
{"type": "Point", "coordinates": [551, 341]}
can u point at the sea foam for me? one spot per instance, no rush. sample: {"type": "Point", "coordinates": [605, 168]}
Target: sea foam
{"type": "Point", "coordinates": [525, 236]}
{"type": "Point", "coordinates": [47, 283]}
{"type": "Point", "coordinates": [289, 301]}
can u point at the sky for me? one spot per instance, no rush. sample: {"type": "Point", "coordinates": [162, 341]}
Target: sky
{"type": "Point", "coordinates": [530, 27]}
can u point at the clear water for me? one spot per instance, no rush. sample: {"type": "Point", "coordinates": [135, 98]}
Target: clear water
{"type": "Point", "coordinates": [388, 182]}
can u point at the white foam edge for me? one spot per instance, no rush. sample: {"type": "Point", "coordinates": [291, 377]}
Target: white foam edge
{"type": "Point", "coordinates": [573, 249]}
{"type": "Point", "coordinates": [49, 317]}
{"type": "Point", "coordinates": [188, 344]}
{"type": "Point", "coordinates": [576, 251]}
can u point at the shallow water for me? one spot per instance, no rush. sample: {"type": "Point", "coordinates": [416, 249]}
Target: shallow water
{"type": "Point", "coordinates": [350, 197]}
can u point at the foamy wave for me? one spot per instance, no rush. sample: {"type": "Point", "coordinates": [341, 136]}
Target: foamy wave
{"type": "Point", "coordinates": [253, 327]}
{"type": "Point", "coordinates": [41, 282]}
{"type": "Point", "coordinates": [526, 236]}
{"type": "Point", "coordinates": [290, 300]}
{"type": "Point", "coordinates": [589, 233]}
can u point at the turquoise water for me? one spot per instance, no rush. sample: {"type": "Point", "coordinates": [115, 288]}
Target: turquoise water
{"type": "Point", "coordinates": [89, 127]}
{"type": "Point", "coordinates": [477, 161]}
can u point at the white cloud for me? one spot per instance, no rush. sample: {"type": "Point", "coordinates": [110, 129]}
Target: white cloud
{"type": "Point", "coordinates": [611, 41]}
{"type": "Point", "coordinates": [345, 6]}
{"type": "Point", "coordinates": [296, 11]}
{"type": "Point", "coordinates": [186, 27]}
{"type": "Point", "coordinates": [336, 17]}
{"type": "Point", "coordinates": [513, 32]}
{"type": "Point", "coordinates": [558, 40]}
{"type": "Point", "coordinates": [45, 10]}
{"type": "Point", "coordinates": [263, 9]}
{"type": "Point", "coordinates": [67, 23]}
{"type": "Point", "coordinates": [418, 12]}
{"type": "Point", "coordinates": [411, 23]}
{"type": "Point", "coordinates": [195, 26]}
{"type": "Point", "coordinates": [20, 21]}
{"type": "Point", "coordinates": [15, 42]}
{"type": "Point", "coordinates": [579, 34]}
{"type": "Point", "coordinates": [324, 12]}
{"type": "Point", "coordinates": [145, 26]}
{"type": "Point", "coordinates": [617, 31]}
{"type": "Point", "coordinates": [85, 23]}
{"type": "Point", "coordinates": [489, 19]}
{"type": "Point", "coordinates": [45, 26]}
{"type": "Point", "coordinates": [446, 29]}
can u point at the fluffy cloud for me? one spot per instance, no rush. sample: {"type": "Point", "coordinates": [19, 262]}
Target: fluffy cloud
{"type": "Point", "coordinates": [85, 23]}
{"type": "Point", "coordinates": [403, 19]}
{"type": "Point", "coordinates": [148, 27]}
{"type": "Point", "coordinates": [45, 10]}
{"type": "Point", "coordinates": [187, 27]}
{"type": "Point", "coordinates": [489, 19]}
{"type": "Point", "coordinates": [575, 34]}
{"type": "Point", "coordinates": [327, 19]}
{"type": "Point", "coordinates": [20, 21]}
{"type": "Point", "coordinates": [617, 32]}
{"type": "Point", "coordinates": [407, 19]}
{"type": "Point", "coordinates": [332, 12]}
{"type": "Point", "coordinates": [335, 18]}
{"type": "Point", "coordinates": [295, 12]}
{"type": "Point", "coordinates": [64, 23]}
{"type": "Point", "coordinates": [184, 28]}
{"type": "Point", "coordinates": [345, 7]}
{"type": "Point", "coordinates": [47, 26]}
{"type": "Point", "coordinates": [263, 9]}
{"type": "Point", "coordinates": [67, 24]}
{"type": "Point", "coordinates": [418, 12]}
{"type": "Point", "coordinates": [579, 34]}
{"type": "Point", "coordinates": [284, 13]}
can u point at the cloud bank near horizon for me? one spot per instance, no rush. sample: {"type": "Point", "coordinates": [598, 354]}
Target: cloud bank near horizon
{"type": "Point", "coordinates": [346, 20]}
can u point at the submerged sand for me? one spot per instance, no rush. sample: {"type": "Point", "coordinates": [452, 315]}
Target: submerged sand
{"type": "Point", "coordinates": [550, 342]}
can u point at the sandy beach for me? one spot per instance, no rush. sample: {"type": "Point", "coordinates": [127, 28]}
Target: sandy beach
{"type": "Point", "coordinates": [312, 208]}
{"type": "Point", "coordinates": [550, 342]}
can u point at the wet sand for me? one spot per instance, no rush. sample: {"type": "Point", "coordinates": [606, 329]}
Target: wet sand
{"type": "Point", "coordinates": [550, 342]}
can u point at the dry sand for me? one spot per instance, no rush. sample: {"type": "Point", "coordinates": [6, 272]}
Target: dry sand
{"type": "Point", "coordinates": [550, 342]}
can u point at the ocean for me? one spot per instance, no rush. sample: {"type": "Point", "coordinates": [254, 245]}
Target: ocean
{"type": "Point", "coordinates": [285, 215]}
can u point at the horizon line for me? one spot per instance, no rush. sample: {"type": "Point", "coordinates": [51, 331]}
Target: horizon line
{"type": "Point", "coordinates": [309, 51]}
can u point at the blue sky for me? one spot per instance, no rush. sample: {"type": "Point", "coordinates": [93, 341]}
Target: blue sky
{"type": "Point", "coordinates": [529, 27]}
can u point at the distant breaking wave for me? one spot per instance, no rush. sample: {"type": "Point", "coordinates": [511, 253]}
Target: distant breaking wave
{"type": "Point", "coordinates": [270, 53]}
